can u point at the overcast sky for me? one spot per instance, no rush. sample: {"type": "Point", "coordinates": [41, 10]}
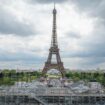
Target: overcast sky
{"type": "Point", "coordinates": [26, 29]}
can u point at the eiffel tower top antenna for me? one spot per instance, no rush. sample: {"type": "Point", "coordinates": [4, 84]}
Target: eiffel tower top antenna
{"type": "Point", "coordinates": [54, 32]}
{"type": "Point", "coordinates": [54, 4]}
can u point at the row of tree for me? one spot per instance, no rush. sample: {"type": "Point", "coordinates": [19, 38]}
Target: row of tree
{"type": "Point", "coordinates": [96, 76]}
{"type": "Point", "coordinates": [9, 77]}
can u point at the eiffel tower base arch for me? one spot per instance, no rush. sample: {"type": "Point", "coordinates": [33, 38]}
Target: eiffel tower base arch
{"type": "Point", "coordinates": [49, 66]}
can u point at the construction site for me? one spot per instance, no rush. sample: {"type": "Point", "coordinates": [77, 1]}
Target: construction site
{"type": "Point", "coordinates": [53, 92]}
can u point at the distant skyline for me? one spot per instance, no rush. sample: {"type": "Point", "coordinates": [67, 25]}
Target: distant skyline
{"type": "Point", "coordinates": [26, 30]}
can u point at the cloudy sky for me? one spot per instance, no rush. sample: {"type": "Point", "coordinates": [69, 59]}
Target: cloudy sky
{"type": "Point", "coordinates": [26, 29]}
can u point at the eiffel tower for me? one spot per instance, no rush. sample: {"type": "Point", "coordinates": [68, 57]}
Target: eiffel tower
{"type": "Point", "coordinates": [54, 50]}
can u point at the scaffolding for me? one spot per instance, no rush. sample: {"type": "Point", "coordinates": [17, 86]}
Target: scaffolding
{"type": "Point", "coordinates": [40, 93]}
{"type": "Point", "coordinates": [49, 96]}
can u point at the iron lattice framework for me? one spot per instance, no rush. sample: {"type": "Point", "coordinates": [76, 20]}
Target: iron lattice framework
{"type": "Point", "coordinates": [54, 50]}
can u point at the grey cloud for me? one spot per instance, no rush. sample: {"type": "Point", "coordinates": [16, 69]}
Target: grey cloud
{"type": "Point", "coordinates": [95, 61]}
{"type": "Point", "coordinates": [20, 59]}
{"type": "Point", "coordinates": [6, 56]}
{"type": "Point", "coordinates": [87, 4]}
{"type": "Point", "coordinates": [99, 12]}
{"type": "Point", "coordinates": [9, 24]}
{"type": "Point", "coordinates": [46, 1]}
{"type": "Point", "coordinates": [84, 54]}
{"type": "Point", "coordinates": [92, 62]}
{"type": "Point", "coordinates": [93, 7]}
{"type": "Point", "coordinates": [89, 50]}
{"type": "Point", "coordinates": [73, 35]}
{"type": "Point", "coordinates": [92, 46]}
